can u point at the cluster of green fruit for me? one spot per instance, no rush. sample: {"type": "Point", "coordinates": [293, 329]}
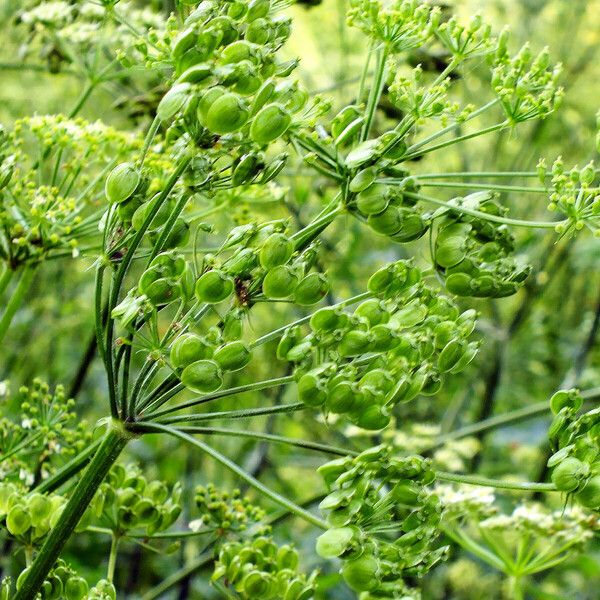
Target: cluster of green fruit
{"type": "Point", "coordinates": [128, 501]}
{"type": "Point", "coordinates": [260, 569]}
{"type": "Point", "coordinates": [225, 511]}
{"type": "Point", "coordinates": [373, 497]}
{"type": "Point", "coordinates": [474, 255]}
{"type": "Point", "coordinates": [575, 438]}
{"type": "Point", "coordinates": [390, 349]}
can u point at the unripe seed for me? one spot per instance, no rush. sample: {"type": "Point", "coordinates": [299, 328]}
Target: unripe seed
{"type": "Point", "coordinates": [270, 123]}
{"type": "Point", "coordinates": [312, 289]}
{"type": "Point", "coordinates": [258, 9]}
{"type": "Point", "coordinates": [381, 280]}
{"type": "Point", "coordinates": [18, 520]}
{"type": "Point", "coordinates": [311, 390]}
{"type": "Point", "coordinates": [214, 287]}
{"type": "Point", "coordinates": [362, 574]}
{"type": "Point", "coordinates": [354, 343]}
{"type": "Point", "coordinates": [202, 376]}
{"type": "Point", "coordinates": [373, 311]}
{"type": "Point", "coordinates": [325, 319]}
{"type": "Point", "coordinates": [334, 542]}
{"type": "Point", "coordinates": [589, 496]}
{"type": "Point", "coordinates": [280, 282]}
{"type": "Point", "coordinates": [341, 398]}
{"type": "Point", "coordinates": [76, 588]}
{"type": "Point", "coordinates": [207, 100]}
{"type": "Point", "coordinates": [227, 114]}
{"type": "Point", "coordinates": [451, 354]}
{"type": "Point", "coordinates": [388, 222]}
{"type": "Point", "coordinates": [373, 200]}
{"type": "Point", "coordinates": [188, 348]}
{"type": "Point", "coordinates": [233, 356]}
{"type": "Point", "coordinates": [257, 32]}
{"type": "Point", "coordinates": [363, 179]}
{"type": "Point", "coordinates": [372, 418]}
{"type": "Point", "coordinates": [238, 51]}
{"type": "Point", "coordinates": [173, 101]}
{"type": "Point", "coordinates": [568, 474]}
{"type": "Point", "coordinates": [121, 182]}
{"type": "Point", "coordinates": [277, 250]}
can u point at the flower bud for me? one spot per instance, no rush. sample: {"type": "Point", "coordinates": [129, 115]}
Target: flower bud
{"type": "Point", "coordinates": [280, 282]}
{"type": "Point", "coordinates": [121, 182]}
{"type": "Point", "coordinates": [270, 123]}
{"type": "Point", "coordinates": [233, 356]}
{"type": "Point", "coordinates": [214, 287]}
{"type": "Point", "coordinates": [202, 376]}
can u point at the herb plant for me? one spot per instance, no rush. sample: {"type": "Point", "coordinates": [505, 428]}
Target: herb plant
{"type": "Point", "coordinates": [216, 219]}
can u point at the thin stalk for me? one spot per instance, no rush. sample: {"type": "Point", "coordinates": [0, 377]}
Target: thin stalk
{"type": "Point", "coordinates": [148, 140]}
{"type": "Point", "coordinates": [5, 279]}
{"type": "Point", "coordinates": [259, 385]}
{"type": "Point", "coordinates": [114, 441]}
{"type": "Point", "coordinates": [376, 91]}
{"type": "Point", "coordinates": [234, 468]}
{"type": "Point", "coordinates": [495, 483]}
{"type": "Point", "coordinates": [473, 174]}
{"type": "Point", "coordinates": [112, 557]}
{"type": "Point", "coordinates": [303, 237]}
{"type": "Point", "coordinates": [237, 414]}
{"type": "Point", "coordinates": [16, 299]}
{"type": "Point", "coordinates": [485, 216]}
{"type": "Point", "coordinates": [483, 186]}
{"type": "Point", "coordinates": [269, 437]}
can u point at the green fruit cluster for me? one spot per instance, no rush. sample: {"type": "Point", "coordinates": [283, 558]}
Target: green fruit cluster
{"type": "Point", "coordinates": [575, 438]}
{"type": "Point", "coordinates": [391, 348]}
{"type": "Point", "coordinates": [167, 278]}
{"type": "Point", "coordinates": [379, 490]}
{"type": "Point", "coordinates": [62, 583]}
{"type": "Point", "coordinates": [127, 501]}
{"type": "Point", "coordinates": [474, 255]}
{"type": "Point", "coordinates": [259, 568]}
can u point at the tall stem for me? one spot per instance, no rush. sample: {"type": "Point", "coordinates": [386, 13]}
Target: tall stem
{"type": "Point", "coordinates": [112, 557]}
{"type": "Point", "coordinates": [15, 300]}
{"type": "Point", "coordinates": [115, 440]}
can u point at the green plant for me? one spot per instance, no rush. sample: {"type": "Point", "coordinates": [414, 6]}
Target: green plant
{"type": "Point", "coordinates": [191, 246]}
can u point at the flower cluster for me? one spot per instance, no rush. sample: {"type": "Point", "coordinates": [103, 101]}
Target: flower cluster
{"type": "Point", "coordinates": [474, 255]}
{"type": "Point", "coordinates": [383, 520]}
{"type": "Point", "coordinates": [574, 194]}
{"type": "Point", "coordinates": [575, 439]}
{"type": "Point", "coordinates": [227, 512]}
{"type": "Point", "coordinates": [41, 429]}
{"type": "Point", "coordinates": [390, 349]}
{"type": "Point", "coordinates": [128, 501]}
{"type": "Point", "coordinates": [259, 568]}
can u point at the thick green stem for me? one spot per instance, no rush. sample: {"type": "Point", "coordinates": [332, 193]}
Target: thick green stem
{"type": "Point", "coordinates": [112, 445]}
{"type": "Point", "coordinates": [16, 299]}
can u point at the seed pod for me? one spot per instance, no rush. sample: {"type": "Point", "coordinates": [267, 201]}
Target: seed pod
{"type": "Point", "coordinates": [214, 287]}
{"type": "Point", "coordinates": [173, 101]}
{"type": "Point", "coordinates": [469, 354]}
{"type": "Point", "coordinates": [372, 418]}
{"type": "Point", "coordinates": [589, 496]}
{"type": "Point", "coordinates": [388, 222]}
{"type": "Point", "coordinates": [238, 51]}
{"type": "Point", "coordinates": [334, 542]}
{"type": "Point", "coordinates": [569, 398]}
{"type": "Point", "coordinates": [288, 340]}
{"type": "Point", "coordinates": [381, 280]}
{"type": "Point", "coordinates": [277, 250]}
{"type": "Point", "coordinates": [451, 354]}
{"type": "Point", "coordinates": [189, 348]}
{"type": "Point", "coordinates": [140, 214]}
{"type": "Point", "coordinates": [233, 356]}
{"type": "Point", "coordinates": [341, 398]}
{"type": "Point", "coordinates": [247, 168]}
{"type": "Point", "coordinates": [270, 123]}
{"type": "Point", "coordinates": [256, 584]}
{"type": "Point", "coordinates": [226, 114]}
{"type": "Point", "coordinates": [362, 574]}
{"type": "Point", "coordinates": [383, 338]}
{"type": "Point", "coordinates": [121, 182]}
{"type": "Point", "coordinates": [326, 319]}
{"type": "Point", "coordinates": [202, 376]}
{"type": "Point", "coordinates": [258, 9]}
{"type": "Point", "coordinates": [280, 282]}
{"type": "Point", "coordinates": [18, 520]}
{"type": "Point", "coordinates": [207, 100]}
{"type": "Point", "coordinates": [264, 94]}
{"type": "Point", "coordinates": [413, 227]}
{"type": "Point", "coordinates": [363, 180]}
{"type": "Point", "coordinates": [258, 32]}
{"type": "Point", "coordinates": [353, 343]}
{"type": "Point", "coordinates": [76, 588]}
{"type": "Point", "coordinates": [568, 475]}
{"type": "Point", "coordinates": [242, 263]}
{"type": "Point", "coordinates": [183, 42]}
{"type": "Point", "coordinates": [451, 244]}
{"type": "Point", "coordinates": [373, 311]}
{"type": "Point", "coordinates": [459, 284]}
{"type": "Point", "coordinates": [196, 74]}
{"type": "Point", "coordinates": [311, 388]}
{"type": "Point", "coordinates": [311, 289]}
{"type": "Point", "coordinates": [373, 200]}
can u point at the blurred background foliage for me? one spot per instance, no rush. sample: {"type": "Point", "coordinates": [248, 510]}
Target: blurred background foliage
{"type": "Point", "coordinates": [535, 342]}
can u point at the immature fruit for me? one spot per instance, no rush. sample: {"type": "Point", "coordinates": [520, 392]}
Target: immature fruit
{"type": "Point", "coordinates": [270, 123]}
{"type": "Point", "coordinates": [227, 114]}
{"type": "Point", "coordinates": [202, 376]}
{"type": "Point", "coordinates": [207, 100]}
{"type": "Point", "coordinates": [213, 287]}
{"type": "Point", "coordinates": [354, 343]}
{"type": "Point", "coordinates": [279, 282]}
{"type": "Point", "coordinates": [311, 389]}
{"type": "Point", "coordinates": [589, 496]}
{"type": "Point", "coordinates": [121, 183]}
{"type": "Point", "coordinates": [173, 101]}
{"type": "Point", "coordinates": [363, 179]}
{"type": "Point", "coordinates": [258, 9]}
{"type": "Point", "coordinates": [373, 311]}
{"type": "Point", "coordinates": [188, 348]}
{"type": "Point", "coordinates": [372, 418]}
{"type": "Point", "coordinates": [334, 542]}
{"type": "Point", "coordinates": [373, 200]}
{"type": "Point", "coordinates": [277, 250]}
{"type": "Point", "coordinates": [451, 354]}
{"type": "Point", "coordinates": [341, 398]}
{"type": "Point", "coordinates": [568, 474]}
{"type": "Point", "coordinates": [325, 319]}
{"type": "Point", "coordinates": [312, 289]}
{"type": "Point", "coordinates": [76, 588]}
{"type": "Point", "coordinates": [387, 222]}
{"type": "Point", "coordinates": [362, 574]}
{"type": "Point", "coordinates": [233, 356]}
{"type": "Point", "coordinates": [257, 32]}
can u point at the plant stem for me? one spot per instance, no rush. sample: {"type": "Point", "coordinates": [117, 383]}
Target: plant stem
{"type": "Point", "coordinates": [223, 460]}
{"type": "Point", "coordinates": [483, 186]}
{"type": "Point", "coordinates": [5, 279]}
{"type": "Point", "coordinates": [495, 483]}
{"type": "Point", "coordinates": [112, 557]}
{"type": "Point", "coordinates": [376, 91]}
{"type": "Point", "coordinates": [114, 441]}
{"type": "Point", "coordinates": [16, 299]}
{"type": "Point", "coordinates": [259, 385]}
